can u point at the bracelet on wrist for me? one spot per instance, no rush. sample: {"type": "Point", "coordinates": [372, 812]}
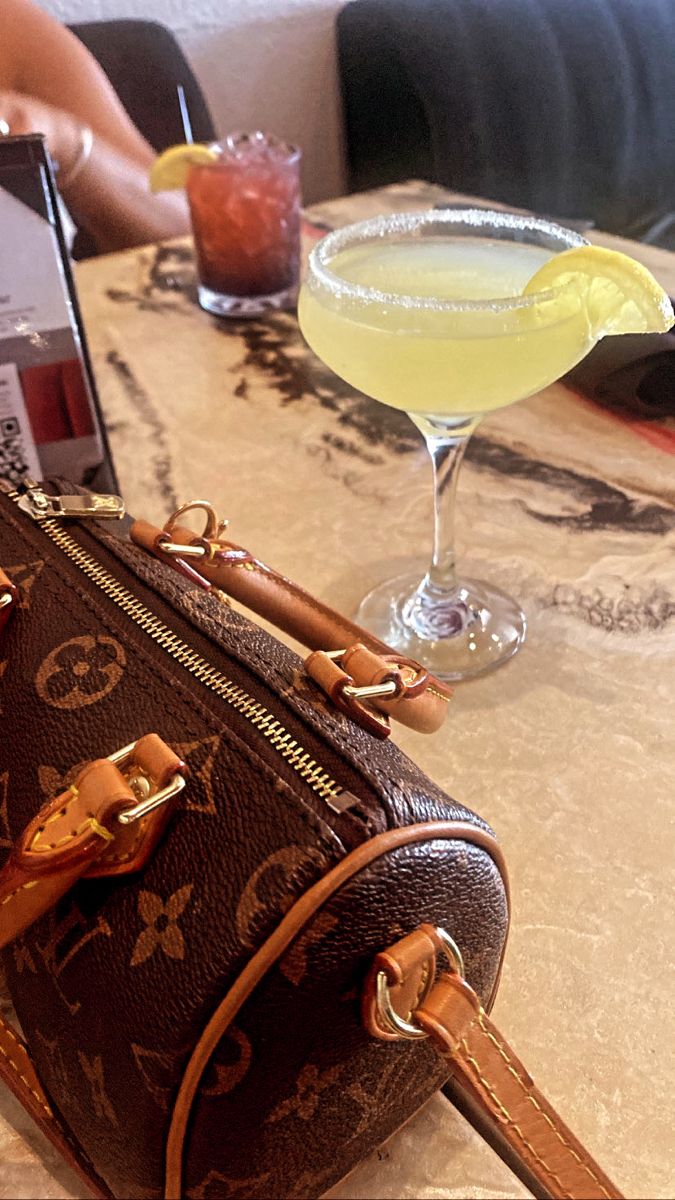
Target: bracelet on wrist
{"type": "Point", "coordinates": [81, 159]}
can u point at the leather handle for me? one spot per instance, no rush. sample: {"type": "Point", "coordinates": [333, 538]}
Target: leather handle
{"type": "Point", "coordinates": [500, 1097]}
{"type": "Point", "coordinates": [419, 701]}
{"type": "Point", "coordinates": [262, 589]}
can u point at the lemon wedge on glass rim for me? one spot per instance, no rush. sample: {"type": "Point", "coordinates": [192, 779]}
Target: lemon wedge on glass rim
{"type": "Point", "coordinates": [621, 295]}
{"type": "Point", "coordinates": [170, 170]}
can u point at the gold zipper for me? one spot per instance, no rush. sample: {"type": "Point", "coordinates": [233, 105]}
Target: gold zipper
{"type": "Point", "coordinates": [264, 721]}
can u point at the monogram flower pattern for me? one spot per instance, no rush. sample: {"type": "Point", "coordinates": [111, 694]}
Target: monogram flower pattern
{"type": "Point", "coordinates": [201, 759]}
{"type": "Point", "coordinates": [23, 959]}
{"type": "Point", "coordinates": [311, 1083]}
{"type": "Point", "coordinates": [80, 671]}
{"type": "Point", "coordinates": [295, 962]}
{"type": "Point", "coordinates": [157, 1070]}
{"type": "Point", "coordinates": [161, 920]}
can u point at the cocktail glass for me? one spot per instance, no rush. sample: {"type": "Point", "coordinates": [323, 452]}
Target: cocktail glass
{"type": "Point", "coordinates": [245, 209]}
{"type": "Point", "coordinates": [425, 312]}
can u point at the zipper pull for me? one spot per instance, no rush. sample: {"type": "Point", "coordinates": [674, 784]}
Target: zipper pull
{"type": "Point", "coordinates": [91, 505]}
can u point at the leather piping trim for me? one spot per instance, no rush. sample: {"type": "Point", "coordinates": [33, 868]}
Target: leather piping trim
{"type": "Point", "coordinates": [272, 950]}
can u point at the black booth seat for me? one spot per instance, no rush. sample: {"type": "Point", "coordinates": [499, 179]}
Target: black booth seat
{"type": "Point", "coordinates": [564, 107]}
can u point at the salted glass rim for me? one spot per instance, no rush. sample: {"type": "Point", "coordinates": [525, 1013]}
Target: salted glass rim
{"type": "Point", "coordinates": [340, 239]}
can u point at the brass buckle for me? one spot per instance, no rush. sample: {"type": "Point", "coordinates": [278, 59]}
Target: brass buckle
{"type": "Point", "coordinates": [385, 1009]}
{"type": "Point", "coordinates": [140, 785]}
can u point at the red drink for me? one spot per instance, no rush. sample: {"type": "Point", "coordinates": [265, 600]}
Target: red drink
{"type": "Point", "coordinates": [246, 221]}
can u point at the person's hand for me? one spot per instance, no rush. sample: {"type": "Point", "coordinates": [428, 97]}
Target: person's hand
{"type": "Point", "coordinates": [21, 114]}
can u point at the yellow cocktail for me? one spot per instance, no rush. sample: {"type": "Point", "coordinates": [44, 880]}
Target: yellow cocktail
{"type": "Point", "coordinates": [435, 359]}
{"type": "Point", "coordinates": [450, 315]}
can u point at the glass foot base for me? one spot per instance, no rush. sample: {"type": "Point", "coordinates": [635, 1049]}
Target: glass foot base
{"type": "Point", "coordinates": [222, 305]}
{"type": "Point", "coordinates": [487, 626]}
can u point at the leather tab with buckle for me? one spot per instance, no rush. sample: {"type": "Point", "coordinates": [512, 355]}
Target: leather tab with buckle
{"type": "Point", "coordinates": [370, 687]}
{"type": "Point", "coordinates": [325, 668]}
{"type": "Point", "coordinates": [80, 833]}
{"type": "Point", "coordinates": [155, 775]}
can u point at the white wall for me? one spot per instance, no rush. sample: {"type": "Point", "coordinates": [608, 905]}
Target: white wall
{"type": "Point", "coordinates": [266, 64]}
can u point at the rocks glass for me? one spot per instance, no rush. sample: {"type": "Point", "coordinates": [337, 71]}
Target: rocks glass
{"type": "Point", "coordinates": [245, 209]}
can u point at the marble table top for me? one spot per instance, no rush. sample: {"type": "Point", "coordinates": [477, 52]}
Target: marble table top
{"type": "Point", "coordinates": [567, 750]}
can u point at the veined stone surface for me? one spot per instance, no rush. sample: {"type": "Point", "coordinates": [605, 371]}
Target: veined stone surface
{"type": "Point", "coordinates": [567, 750]}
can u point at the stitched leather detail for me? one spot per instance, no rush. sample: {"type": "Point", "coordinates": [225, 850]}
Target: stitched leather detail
{"type": "Point", "coordinates": [70, 836]}
{"type": "Point", "coordinates": [39, 1095]}
{"type": "Point", "coordinates": [130, 852]}
{"type": "Point", "coordinates": [543, 1142]}
{"type": "Point", "coordinates": [532, 1138]}
{"type": "Point", "coordinates": [90, 822]}
{"type": "Point", "coordinates": [24, 887]}
{"type": "Point", "coordinates": [533, 1101]}
{"type": "Point", "coordinates": [516, 1128]}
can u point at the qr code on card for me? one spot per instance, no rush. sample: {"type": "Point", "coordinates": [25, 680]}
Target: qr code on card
{"type": "Point", "coordinates": [18, 452]}
{"type": "Point", "coordinates": [13, 457]}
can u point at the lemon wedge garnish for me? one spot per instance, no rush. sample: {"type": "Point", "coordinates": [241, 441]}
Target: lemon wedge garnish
{"type": "Point", "coordinates": [171, 169]}
{"type": "Point", "coordinates": [621, 295]}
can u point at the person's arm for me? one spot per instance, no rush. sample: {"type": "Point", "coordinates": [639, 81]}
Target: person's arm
{"type": "Point", "coordinates": [40, 58]}
{"type": "Point", "coordinates": [110, 198]}
{"type": "Point", "coordinates": [55, 87]}
{"type": "Point", "coordinates": [107, 193]}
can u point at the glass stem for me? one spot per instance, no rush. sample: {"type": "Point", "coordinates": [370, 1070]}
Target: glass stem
{"type": "Point", "coordinates": [435, 610]}
{"type": "Point", "coordinates": [446, 458]}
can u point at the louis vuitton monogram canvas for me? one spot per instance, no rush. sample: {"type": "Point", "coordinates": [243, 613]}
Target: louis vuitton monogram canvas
{"type": "Point", "coordinates": [115, 986]}
{"type": "Point", "coordinates": [80, 671]}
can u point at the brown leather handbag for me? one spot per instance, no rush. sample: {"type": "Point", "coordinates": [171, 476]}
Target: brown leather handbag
{"type": "Point", "coordinates": [207, 847]}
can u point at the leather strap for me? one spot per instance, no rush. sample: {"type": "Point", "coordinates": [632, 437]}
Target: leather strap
{"type": "Point", "coordinates": [419, 700]}
{"type": "Point", "coordinates": [530, 1135]}
{"type": "Point", "coordinates": [79, 834]}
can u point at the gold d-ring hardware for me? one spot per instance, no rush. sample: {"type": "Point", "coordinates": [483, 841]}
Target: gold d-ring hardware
{"type": "Point", "coordinates": [213, 531]}
{"type": "Point", "coordinates": [5, 599]}
{"type": "Point", "coordinates": [122, 758]}
{"type": "Point", "coordinates": [368, 691]}
{"type": "Point", "coordinates": [385, 1009]}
